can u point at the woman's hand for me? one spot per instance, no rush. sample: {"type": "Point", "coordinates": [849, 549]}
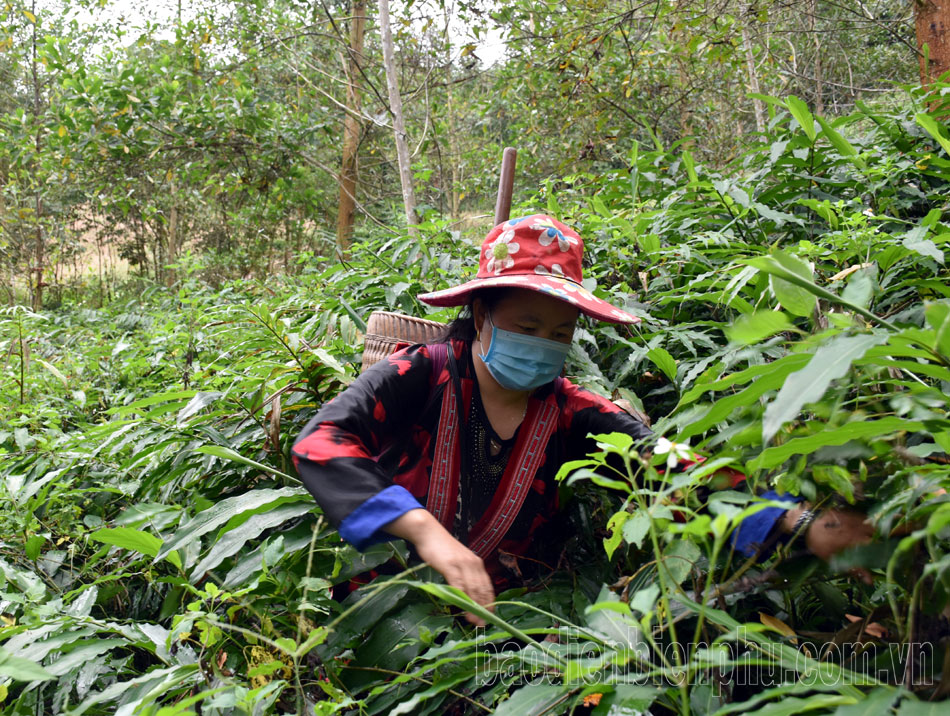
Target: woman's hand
{"type": "Point", "coordinates": [460, 566]}
{"type": "Point", "coordinates": [833, 531]}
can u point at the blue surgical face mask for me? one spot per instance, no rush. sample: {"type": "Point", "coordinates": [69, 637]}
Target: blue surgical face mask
{"type": "Point", "coordinates": [521, 362]}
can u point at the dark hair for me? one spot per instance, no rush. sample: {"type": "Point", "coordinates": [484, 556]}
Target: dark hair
{"type": "Point", "coordinates": [463, 327]}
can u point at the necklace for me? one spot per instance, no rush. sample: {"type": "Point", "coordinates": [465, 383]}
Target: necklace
{"type": "Point", "coordinates": [494, 443]}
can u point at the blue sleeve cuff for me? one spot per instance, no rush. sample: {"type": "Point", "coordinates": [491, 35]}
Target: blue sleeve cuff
{"type": "Point", "coordinates": [754, 531]}
{"type": "Point", "coordinates": [362, 527]}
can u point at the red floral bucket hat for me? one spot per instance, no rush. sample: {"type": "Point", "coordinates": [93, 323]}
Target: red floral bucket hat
{"type": "Point", "coordinates": [537, 253]}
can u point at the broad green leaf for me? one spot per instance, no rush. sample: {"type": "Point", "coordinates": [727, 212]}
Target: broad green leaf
{"type": "Point", "coordinates": [831, 361]}
{"type": "Point", "coordinates": [774, 267]}
{"type": "Point", "coordinates": [924, 247]}
{"type": "Point", "coordinates": [933, 129]}
{"type": "Point", "coordinates": [172, 397]}
{"type": "Point", "coordinates": [201, 400]}
{"type": "Point", "coordinates": [843, 146]}
{"type": "Point", "coordinates": [141, 691]}
{"type": "Point", "coordinates": [229, 454]}
{"type": "Point", "coordinates": [793, 705]}
{"type": "Point", "coordinates": [615, 528]}
{"type": "Point", "coordinates": [128, 538]}
{"type": "Point", "coordinates": [858, 430]}
{"type": "Point", "coordinates": [779, 217]}
{"type": "Point", "coordinates": [231, 542]}
{"type": "Point", "coordinates": [636, 528]}
{"type": "Point", "coordinates": [21, 669]}
{"type": "Point", "coordinates": [860, 287]}
{"type": "Point", "coordinates": [255, 501]}
{"type": "Point", "coordinates": [664, 361]}
{"type": "Point", "coordinates": [533, 700]}
{"type": "Point", "coordinates": [878, 701]}
{"type": "Point", "coordinates": [680, 558]}
{"type": "Point", "coordinates": [921, 708]}
{"type": "Point", "coordinates": [938, 316]}
{"type": "Point", "coordinates": [753, 327]}
{"type": "Point", "coordinates": [135, 540]}
{"type": "Point", "coordinates": [802, 115]}
{"type": "Point", "coordinates": [85, 651]}
{"type": "Point", "coordinates": [794, 298]}
{"type": "Point", "coordinates": [742, 377]}
{"type": "Point", "coordinates": [771, 377]}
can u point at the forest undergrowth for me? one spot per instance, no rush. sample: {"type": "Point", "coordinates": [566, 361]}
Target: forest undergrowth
{"type": "Point", "coordinates": [160, 556]}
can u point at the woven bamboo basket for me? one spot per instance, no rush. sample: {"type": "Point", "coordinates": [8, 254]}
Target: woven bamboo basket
{"type": "Point", "coordinates": [386, 330]}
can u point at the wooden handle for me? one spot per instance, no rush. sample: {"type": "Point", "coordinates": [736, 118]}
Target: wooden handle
{"type": "Point", "coordinates": [506, 182]}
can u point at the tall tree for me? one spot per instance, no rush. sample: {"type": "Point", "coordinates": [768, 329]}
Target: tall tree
{"type": "Point", "coordinates": [349, 169]}
{"type": "Point", "coordinates": [399, 124]}
{"type": "Point", "coordinates": [933, 30]}
{"type": "Point", "coordinates": [40, 256]}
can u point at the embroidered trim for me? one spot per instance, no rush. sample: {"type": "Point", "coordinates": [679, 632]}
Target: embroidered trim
{"type": "Point", "coordinates": [444, 460]}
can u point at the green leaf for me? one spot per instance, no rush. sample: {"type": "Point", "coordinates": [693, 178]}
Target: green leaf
{"type": "Point", "coordinates": [771, 377]}
{"type": "Point", "coordinates": [832, 360]}
{"type": "Point", "coordinates": [793, 297]}
{"type": "Point", "coordinates": [793, 706]}
{"type": "Point", "coordinates": [802, 115]}
{"type": "Point", "coordinates": [933, 129]}
{"type": "Point", "coordinates": [231, 542]}
{"type": "Point", "coordinates": [938, 316]}
{"type": "Point", "coordinates": [201, 400]}
{"type": "Point", "coordinates": [33, 546]}
{"type": "Point", "coordinates": [636, 528]}
{"type": "Point", "coordinates": [924, 247]}
{"type": "Point", "coordinates": [753, 327]}
{"type": "Point", "coordinates": [843, 146]}
{"type": "Point", "coordinates": [779, 217]}
{"type": "Point", "coordinates": [229, 454]}
{"type": "Point", "coordinates": [858, 430]}
{"type": "Point", "coordinates": [615, 527]}
{"type": "Point", "coordinates": [135, 540]}
{"type": "Point", "coordinates": [774, 267]}
{"type": "Point", "coordinates": [142, 690]}
{"type": "Point", "coordinates": [920, 708]}
{"type": "Point", "coordinates": [878, 701]}
{"type": "Point", "coordinates": [533, 700]}
{"type": "Point", "coordinates": [679, 558]}
{"type": "Point", "coordinates": [860, 287]}
{"type": "Point", "coordinates": [128, 538]}
{"type": "Point", "coordinates": [21, 669]}
{"type": "Point", "coordinates": [253, 502]}
{"type": "Point", "coordinates": [664, 361]}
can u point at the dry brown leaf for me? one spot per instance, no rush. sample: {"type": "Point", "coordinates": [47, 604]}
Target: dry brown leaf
{"type": "Point", "coordinates": [779, 626]}
{"type": "Point", "coordinates": [848, 271]}
{"type": "Point", "coordinates": [871, 629]}
{"type": "Point", "coordinates": [592, 699]}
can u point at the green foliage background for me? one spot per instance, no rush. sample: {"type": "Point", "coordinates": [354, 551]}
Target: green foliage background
{"type": "Point", "coordinates": [158, 554]}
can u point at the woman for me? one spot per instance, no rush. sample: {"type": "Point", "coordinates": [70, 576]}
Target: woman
{"type": "Point", "coordinates": [454, 446]}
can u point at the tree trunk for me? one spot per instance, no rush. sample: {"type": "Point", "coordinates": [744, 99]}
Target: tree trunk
{"type": "Point", "coordinates": [933, 30]}
{"type": "Point", "coordinates": [172, 241]}
{"type": "Point", "coordinates": [349, 170]}
{"type": "Point", "coordinates": [455, 190]}
{"type": "Point", "coordinates": [816, 38]}
{"type": "Point", "coordinates": [758, 105]}
{"type": "Point", "coordinates": [38, 202]}
{"type": "Point", "coordinates": [399, 126]}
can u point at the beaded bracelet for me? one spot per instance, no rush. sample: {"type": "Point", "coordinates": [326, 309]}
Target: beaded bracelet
{"type": "Point", "coordinates": [804, 520]}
